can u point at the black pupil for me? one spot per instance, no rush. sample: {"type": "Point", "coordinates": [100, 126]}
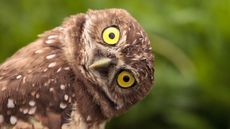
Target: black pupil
{"type": "Point", "coordinates": [111, 35]}
{"type": "Point", "coordinates": [126, 78]}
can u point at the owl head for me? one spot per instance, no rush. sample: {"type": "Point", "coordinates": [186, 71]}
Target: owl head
{"type": "Point", "coordinates": [113, 58]}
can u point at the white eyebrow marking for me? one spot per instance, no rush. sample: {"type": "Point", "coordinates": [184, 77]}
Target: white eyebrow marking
{"type": "Point", "coordinates": [50, 56]}
{"type": "Point", "coordinates": [51, 65]}
{"type": "Point", "coordinates": [13, 120]}
{"type": "Point", "coordinates": [10, 103]}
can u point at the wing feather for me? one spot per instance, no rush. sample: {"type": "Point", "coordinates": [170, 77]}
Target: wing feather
{"type": "Point", "coordinates": [35, 81]}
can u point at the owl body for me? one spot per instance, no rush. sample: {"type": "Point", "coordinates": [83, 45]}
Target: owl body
{"type": "Point", "coordinates": [78, 75]}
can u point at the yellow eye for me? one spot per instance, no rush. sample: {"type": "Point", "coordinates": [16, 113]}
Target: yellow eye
{"type": "Point", "coordinates": [125, 79]}
{"type": "Point", "coordinates": [111, 35]}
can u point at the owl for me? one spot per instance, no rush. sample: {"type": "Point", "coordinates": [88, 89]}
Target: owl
{"type": "Point", "coordinates": [79, 75]}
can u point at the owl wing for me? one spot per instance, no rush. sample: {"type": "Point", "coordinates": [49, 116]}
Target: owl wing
{"type": "Point", "coordinates": [36, 83]}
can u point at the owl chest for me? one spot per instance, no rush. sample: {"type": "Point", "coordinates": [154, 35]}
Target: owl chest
{"type": "Point", "coordinates": [77, 121]}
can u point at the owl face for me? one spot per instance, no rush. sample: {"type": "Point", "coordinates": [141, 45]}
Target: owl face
{"type": "Point", "coordinates": [118, 62]}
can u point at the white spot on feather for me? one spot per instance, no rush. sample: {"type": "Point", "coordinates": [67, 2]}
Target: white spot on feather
{"type": "Point", "coordinates": [37, 96]}
{"type": "Point", "coordinates": [13, 120]}
{"type": "Point", "coordinates": [70, 100]}
{"type": "Point", "coordinates": [62, 87]}
{"type": "Point", "coordinates": [25, 111]}
{"type": "Point", "coordinates": [52, 36]}
{"type": "Point", "coordinates": [24, 80]}
{"type": "Point", "coordinates": [46, 83]}
{"type": "Point", "coordinates": [38, 52]}
{"type": "Point", "coordinates": [50, 56]}
{"type": "Point", "coordinates": [10, 103]}
{"type": "Point", "coordinates": [66, 97]}
{"type": "Point", "coordinates": [63, 105]}
{"type": "Point", "coordinates": [45, 70]}
{"type": "Point", "coordinates": [50, 41]}
{"type": "Point", "coordinates": [51, 65]}
{"type": "Point", "coordinates": [32, 110]}
{"type": "Point", "coordinates": [32, 103]}
{"type": "Point", "coordinates": [59, 70]}
{"type": "Point", "coordinates": [19, 76]}
{"type": "Point", "coordinates": [88, 118]}
{"type": "Point", "coordinates": [51, 89]}
{"type": "Point", "coordinates": [67, 68]}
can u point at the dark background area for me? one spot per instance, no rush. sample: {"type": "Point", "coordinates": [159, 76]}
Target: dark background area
{"type": "Point", "coordinates": [191, 43]}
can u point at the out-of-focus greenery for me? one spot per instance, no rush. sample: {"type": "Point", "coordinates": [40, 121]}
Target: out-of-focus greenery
{"type": "Point", "coordinates": [191, 42]}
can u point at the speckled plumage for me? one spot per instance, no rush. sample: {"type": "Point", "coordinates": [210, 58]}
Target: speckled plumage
{"type": "Point", "coordinates": [49, 82]}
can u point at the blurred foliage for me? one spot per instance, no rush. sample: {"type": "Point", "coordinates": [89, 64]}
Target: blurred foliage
{"type": "Point", "coordinates": [191, 43]}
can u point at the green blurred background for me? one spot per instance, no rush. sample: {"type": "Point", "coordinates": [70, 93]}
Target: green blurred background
{"type": "Point", "coordinates": [191, 43]}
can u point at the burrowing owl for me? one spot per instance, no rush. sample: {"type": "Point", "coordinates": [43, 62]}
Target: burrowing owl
{"type": "Point", "coordinates": [78, 75]}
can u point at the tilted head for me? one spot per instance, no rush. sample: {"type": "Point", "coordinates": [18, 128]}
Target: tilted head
{"type": "Point", "coordinates": [117, 62]}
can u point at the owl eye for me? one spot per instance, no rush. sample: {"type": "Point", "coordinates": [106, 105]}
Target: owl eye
{"type": "Point", "coordinates": [111, 35]}
{"type": "Point", "coordinates": [125, 79]}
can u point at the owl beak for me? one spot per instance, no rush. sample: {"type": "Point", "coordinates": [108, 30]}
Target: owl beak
{"type": "Point", "coordinates": [101, 63]}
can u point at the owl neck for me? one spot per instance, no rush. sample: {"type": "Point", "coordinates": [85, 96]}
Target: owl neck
{"type": "Point", "coordinates": [85, 108]}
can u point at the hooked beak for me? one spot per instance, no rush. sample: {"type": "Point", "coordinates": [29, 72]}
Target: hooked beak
{"type": "Point", "coordinates": [101, 63]}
